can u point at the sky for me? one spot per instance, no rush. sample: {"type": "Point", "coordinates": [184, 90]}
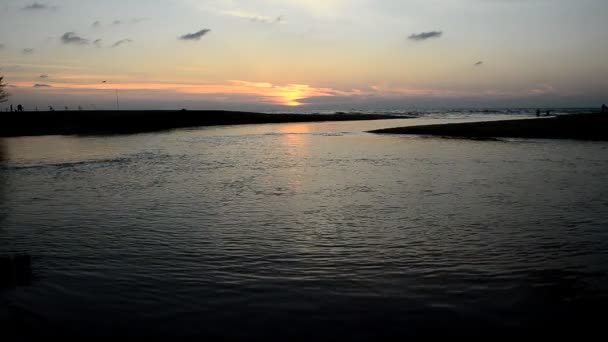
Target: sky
{"type": "Point", "coordinates": [304, 55]}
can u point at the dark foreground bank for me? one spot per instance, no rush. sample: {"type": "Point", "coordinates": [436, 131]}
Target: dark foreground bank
{"type": "Point", "coordinates": [121, 122]}
{"type": "Point", "coordinates": [586, 126]}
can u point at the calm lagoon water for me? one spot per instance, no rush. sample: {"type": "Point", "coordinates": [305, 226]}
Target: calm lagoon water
{"type": "Point", "coordinates": [304, 230]}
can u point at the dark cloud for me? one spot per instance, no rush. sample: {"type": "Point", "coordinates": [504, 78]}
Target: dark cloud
{"type": "Point", "coordinates": [72, 38]}
{"type": "Point", "coordinates": [96, 24]}
{"type": "Point", "coordinates": [121, 42]}
{"type": "Point", "coordinates": [41, 85]}
{"type": "Point", "coordinates": [425, 35]}
{"type": "Point", "coordinates": [37, 6]}
{"type": "Point", "coordinates": [480, 63]}
{"type": "Point", "coordinates": [196, 35]}
{"type": "Point", "coordinates": [44, 76]}
{"type": "Point", "coordinates": [27, 51]}
{"type": "Point", "coordinates": [97, 42]}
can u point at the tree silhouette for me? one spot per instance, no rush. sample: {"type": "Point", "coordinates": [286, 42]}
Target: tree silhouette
{"type": "Point", "coordinates": [3, 93]}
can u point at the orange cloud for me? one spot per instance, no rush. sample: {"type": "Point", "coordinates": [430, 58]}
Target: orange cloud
{"type": "Point", "coordinates": [287, 95]}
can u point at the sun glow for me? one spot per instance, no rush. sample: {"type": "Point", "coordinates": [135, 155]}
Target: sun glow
{"type": "Point", "coordinates": [291, 94]}
{"type": "Point", "coordinates": [285, 95]}
{"type": "Point", "coordinates": [288, 95]}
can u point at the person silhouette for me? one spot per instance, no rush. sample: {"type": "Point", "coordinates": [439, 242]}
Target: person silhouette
{"type": "Point", "coordinates": [604, 108]}
{"type": "Point", "coordinates": [537, 112]}
{"type": "Point", "coordinates": [19, 108]}
{"type": "Point", "coordinates": [11, 108]}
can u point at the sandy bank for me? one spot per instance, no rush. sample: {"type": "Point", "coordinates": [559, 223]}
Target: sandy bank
{"type": "Point", "coordinates": [584, 126]}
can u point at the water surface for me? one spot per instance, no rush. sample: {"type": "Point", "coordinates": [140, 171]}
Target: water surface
{"type": "Point", "coordinates": [304, 230]}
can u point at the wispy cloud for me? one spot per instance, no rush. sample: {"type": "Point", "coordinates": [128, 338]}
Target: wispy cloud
{"type": "Point", "coordinates": [425, 35]}
{"type": "Point", "coordinates": [36, 6]}
{"type": "Point", "coordinates": [256, 18]}
{"type": "Point", "coordinates": [267, 20]}
{"type": "Point", "coordinates": [317, 8]}
{"type": "Point", "coordinates": [41, 85]}
{"type": "Point", "coordinates": [27, 51]}
{"type": "Point", "coordinates": [12, 68]}
{"type": "Point", "coordinates": [44, 66]}
{"type": "Point", "coordinates": [195, 36]}
{"type": "Point", "coordinates": [44, 76]}
{"type": "Point", "coordinates": [543, 89]}
{"type": "Point", "coordinates": [98, 42]}
{"type": "Point", "coordinates": [72, 38]}
{"type": "Point", "coordinates": [397, 91]}
{"type": "Point", "coordinates": [121, 42]}
{"type": "Point", "coordinates": [480, 63]}
{"type": "Point", "coordinates": [137, 20]}
{"type": "Point", "coordinates": [118, 22]}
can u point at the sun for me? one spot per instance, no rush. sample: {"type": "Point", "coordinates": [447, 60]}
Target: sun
{"type": "Point", "coordinates": [291, 94]}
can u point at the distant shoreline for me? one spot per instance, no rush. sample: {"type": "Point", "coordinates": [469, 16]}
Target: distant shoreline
{"type": "Point", "coordinates": [582, 126]}
{"type": "Point", "coordinates": [15, 124]}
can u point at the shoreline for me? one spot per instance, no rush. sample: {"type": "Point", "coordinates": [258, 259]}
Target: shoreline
{"type": "Point", "coordinates": [581, 126]}
{"type": "Point", "coordinates": [15, 124]}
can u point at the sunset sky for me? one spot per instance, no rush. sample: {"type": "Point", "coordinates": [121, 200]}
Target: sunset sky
{"type": "Point", "coordinates": [305, 54]}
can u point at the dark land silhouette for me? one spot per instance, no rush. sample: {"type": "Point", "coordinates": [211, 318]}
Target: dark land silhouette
{"type": "Point", "coordinates": [584, 126]}
{"type": "Point", "coordinates": [125, 122]}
